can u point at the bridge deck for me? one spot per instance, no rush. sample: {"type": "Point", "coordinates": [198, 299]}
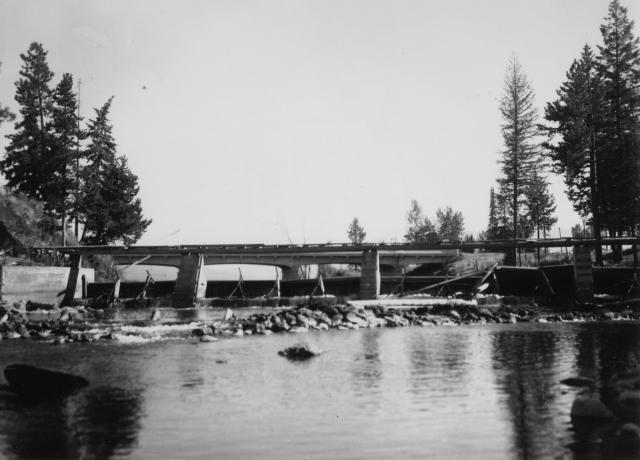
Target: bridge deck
{"type": "Point", "coordinates": [204, 249]}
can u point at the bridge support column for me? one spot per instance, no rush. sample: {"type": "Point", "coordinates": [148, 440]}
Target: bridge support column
{"type": "Point", "coordinates": [370, 275]}
{"type": "Point", "coordinates": [291, 273]}
{"type": "Point", "coordinates": [191, 283]}
{"type": "Point", "coordinates": [72, 281]}
{"type": "Point", "coordinates": [583, 273]}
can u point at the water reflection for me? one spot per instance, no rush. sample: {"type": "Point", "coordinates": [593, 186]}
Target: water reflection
{"type": "Point", "coordinates": [366, 370]}
{"type": "Point", "coordinates": [527, 372]}
{"type": "Point", "coordinates": [438, 361]}
{"type": "Point", "coordinates": [99, 422]}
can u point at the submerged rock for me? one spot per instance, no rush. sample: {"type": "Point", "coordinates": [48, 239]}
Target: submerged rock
{"type": "Point", "coordinates": [300, 352]}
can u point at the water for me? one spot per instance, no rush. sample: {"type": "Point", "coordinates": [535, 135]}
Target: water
{"type": "Point", "coordinates": [488, 391]}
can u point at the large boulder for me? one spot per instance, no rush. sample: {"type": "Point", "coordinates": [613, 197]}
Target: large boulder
{"type": "Point", "coordinates": [37, 382]}
{"type": "Point", "coordinates": [300, 352]}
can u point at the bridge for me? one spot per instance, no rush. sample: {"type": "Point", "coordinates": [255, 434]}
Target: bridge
{"type": "Point", "coordinates": [191, 259]}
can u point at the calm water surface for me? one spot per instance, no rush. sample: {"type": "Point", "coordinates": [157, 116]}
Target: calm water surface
{"type": "Point", "coordinates": [488, 391]}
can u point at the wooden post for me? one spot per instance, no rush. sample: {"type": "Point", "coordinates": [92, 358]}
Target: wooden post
{"type": "Point", "coordinates": [116, 289]}
{"type": "Point", "coordinates": [84, 287]}
{"type": "Point", "coordinates": [72, 281]}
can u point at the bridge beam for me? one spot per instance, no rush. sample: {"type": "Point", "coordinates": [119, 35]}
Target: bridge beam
{"type": "Point", "coordinates": [370, 275]}
{"type": "Point", "coordinates": [583, 273]}
{"type": "Point", "coordinates": [191, 283]}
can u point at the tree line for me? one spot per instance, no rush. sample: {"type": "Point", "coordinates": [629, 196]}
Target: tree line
{"type": "Point", "coordinates": [591, 138]}
{"type": "Point", "coordinates": [72, 167]}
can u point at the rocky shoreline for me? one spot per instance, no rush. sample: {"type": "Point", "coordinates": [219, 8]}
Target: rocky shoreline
{"type": "Point", "coordinates": [80, 324]}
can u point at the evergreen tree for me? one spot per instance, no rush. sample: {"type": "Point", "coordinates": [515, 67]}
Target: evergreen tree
{"type": "Point", "coordinates": [26, 160]}
{"type": "Point", "coordinates": [578, 123]}
{"type": "Point", "coordinates": [540, 205]}
{"type": "Point", "coordinates": [619, 68]}
{"type": "Point", "coordinates": [450, 224]}
{"type": "Point", "coordinates": [64, 158]}
{"type": "Point", "coordinates": [109, 204]}
{"type": "Point", "coordinates": [421, 229]}
{"type": "Point", "coordinates": [5, 113]}
{"type": "Point", "coordinates": [519, 132]}
{"type": "Point", "coordinates": [492, 227]}
{"type": "Point", "coordinates": [355, 232]}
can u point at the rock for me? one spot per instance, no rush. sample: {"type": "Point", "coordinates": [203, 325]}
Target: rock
{"type": "Point", "coordinates": [298, 329]}
{"type": "Point", "coordinates": [300, 352]}
{"type": "Point", "coordinates": [355, 319]}
{"type": "Point", "coordinates": [208, 338]}
{"type": "Point", "coordinates": [198, 332]}
{"type": "Point", "coordinates": [628, 406]}
{"type": "Point", "coordinates": [578, 382]}
{"type": "Point", "coordinates": [33, 381]}
{"type": "Point", "coordinates": [302, 320]}
{"type": "Point", "coordinates": [585, 407]}
{"type": "Point", "coordinates": [455, 315]}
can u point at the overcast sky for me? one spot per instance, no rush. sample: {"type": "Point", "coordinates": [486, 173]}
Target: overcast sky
{"type": "Point", "coordinates": [278, 121]}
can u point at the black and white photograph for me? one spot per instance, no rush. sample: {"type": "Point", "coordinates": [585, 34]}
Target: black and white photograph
{"type": "Point", "coordinates": [320, 229]}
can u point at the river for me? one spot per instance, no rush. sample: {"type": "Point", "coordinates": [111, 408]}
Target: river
{"type": "Point", "coordinates": [483, 391]}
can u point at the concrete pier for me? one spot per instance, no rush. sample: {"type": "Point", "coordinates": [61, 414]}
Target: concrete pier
{"type": "Point", "coordinates": [191, 283]}
{"type": "Point", "coordinates": [583, 273]}
{"type": "Point", "coordinates": [370, 275]}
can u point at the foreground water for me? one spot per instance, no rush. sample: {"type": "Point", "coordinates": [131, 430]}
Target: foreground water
{"type": "Point", "coordinates": [490, 391]}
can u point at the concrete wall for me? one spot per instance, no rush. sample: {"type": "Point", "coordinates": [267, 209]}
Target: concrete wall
{"type": "Point", "coordinates": [38, 284]}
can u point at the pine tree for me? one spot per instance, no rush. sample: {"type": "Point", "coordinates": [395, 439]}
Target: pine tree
{"type": "Point", "coordinates": [492, 227]}
{"type": "Point", "coordinates": [619, 68]}
{"type": "Point", "coordinates": [450, 224]}
{"type": "Point", "coordinates": [64, 157]}
{"type": "Point", "coordinates": [518, 132]}
{"type": "Point", "coordinates": [540, 205]}
{"type": "Point", "coordinates": [578, 127]}
{"type": "Point", "coordinates": [355, 232]}
{"type": "Point", "coordinates": [109, 204]}
{"type": "Point", "coordinates": [26, 160]}
{"type": "Point", "coordinates": [421, 229]}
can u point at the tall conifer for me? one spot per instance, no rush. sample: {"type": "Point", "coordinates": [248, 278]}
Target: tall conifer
{"type": "Point", "coordinates": [111, 209]}
{"type": "Point", "coordinates": [576, 145]}
{"type": "Point", "coordinates": [519, 133]}
{"type": "Point", "coordinates": [65, 153]}
{"type": "Point", "coordinates": [25, 163]}
{"type": "Point", "coordinates": [619, 68]}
